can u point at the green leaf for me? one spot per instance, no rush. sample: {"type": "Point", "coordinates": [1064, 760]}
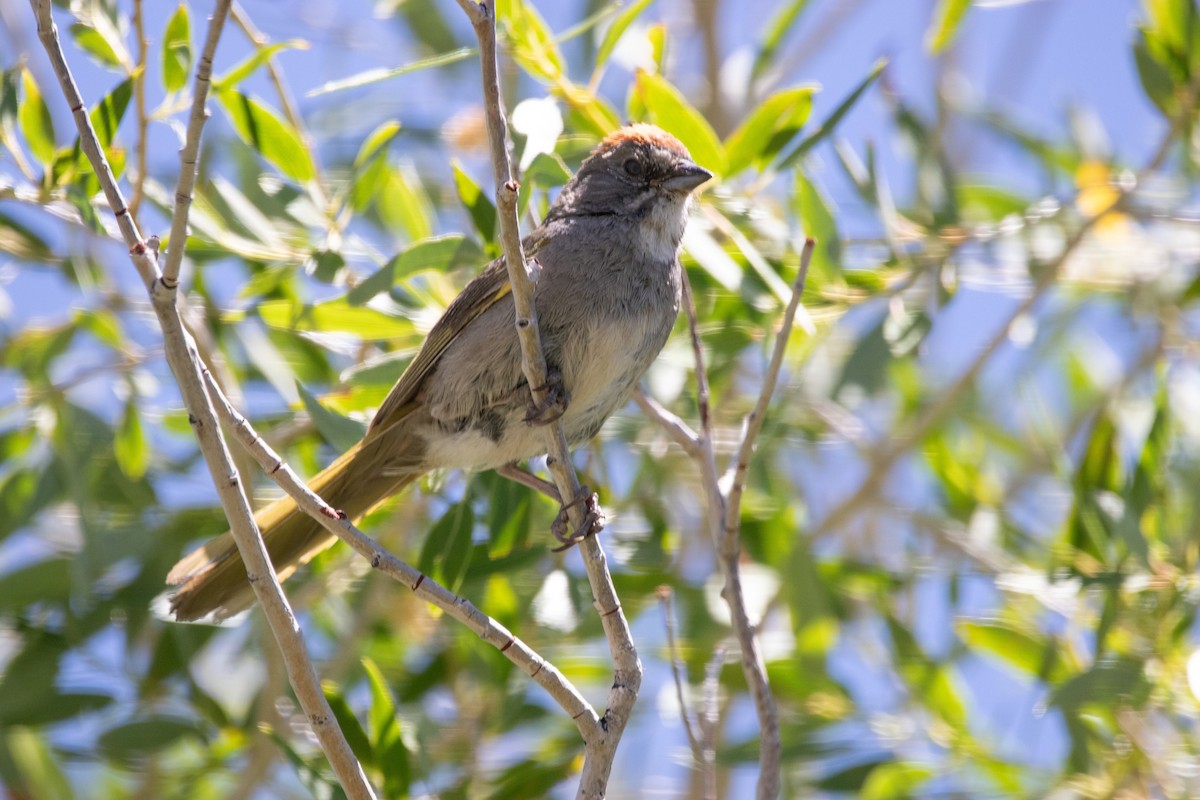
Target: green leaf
{"type": "Point", "coordinates": [92, 42]}
{"type": "Point", "coordinates": [377, 139]}
{"type": "Point", "coordinates": [777, 29]}
{"type": "Point", "coordinates": [1155, 78]}
{"type": "Point", "coordinates": [830, 124]}
{"type": "Point", "coordinates": [371, 76]}
{"type": "Point", "coordinates": [402, 203]}
{"type": "Point", "coordinates": [356, 737]}
{"type": "Point", "coordinates": [177, 49]}
{"type": "Point", "coordinates": [34, 118]}
{"type": "Point", "coordinates": [447, 548]}
{"type": "Point", "coordinates": [334, 316]}
{"type": "Point", "coordinates": [669, 109]}
{"type": "Point", "coordinates": [141, 737]}
{"type": "Point", "coordinates": [129, 443]}
{"type": "Point", "coordinates": [19, 241]}
{"type": "Point", "coordinates": [46, 582]}
{"type": "Point", "coordinates": [255, 60]}
{"type": "Point", "coordinates": [481, 209]}
{"type": "Point", "coordinates": [342, 433]}
{"type": "Point", "coordinates": [946, 21]}
{"type": "Point", "coordinates": [547, 170]}
{"type": "Point", "coordinates": [769, 129]}
{"type": "Point", "coordinates": [895, 781]}
{"type": "Point", "coordinates": [107, 115]}
{"type": "Point", "coordinates": [383, 724]}
{"type": "Point", "coordinates": [616, 30]}
{"type": "Point", "coordinates": [531, 43]}
{"type": "Point", "coordinates": [1027, 651]}
{"type": "Point", "coordinates": [818, 222]}
{"type": "Point", "coordinates": [441, 253]}
{"type": "Point", "coordinates": [273, 138]}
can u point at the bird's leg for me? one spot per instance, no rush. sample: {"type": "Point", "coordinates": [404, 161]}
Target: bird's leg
{"type": "Point", "coordinates": [553, 405]}
{"type": "Point", "coordinates": [525, 478]}
{"type": "Point", "coordinates": [593, 520]}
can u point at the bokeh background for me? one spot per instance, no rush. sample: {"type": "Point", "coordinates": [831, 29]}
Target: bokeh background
{"type": "Point", "coordinates": [970, 532]}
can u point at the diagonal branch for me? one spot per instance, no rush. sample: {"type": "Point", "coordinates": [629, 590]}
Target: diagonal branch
{"type": "Point", "coordinates": [627, 677]}
{"type": "Point", "coordinates": [541, 671]}
{"type": "Point", "coordinates": [184, 363]}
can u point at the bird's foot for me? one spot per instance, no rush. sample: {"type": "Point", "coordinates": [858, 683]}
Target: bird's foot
{"type": "Point", "coordinates": [593, 520]}
{"type": "Point", "coordinates": [551, 407]}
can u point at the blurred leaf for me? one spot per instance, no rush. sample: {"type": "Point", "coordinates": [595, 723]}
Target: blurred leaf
{"type": "Point", "coordinates": [530, 41]}
{"type": "Point", "coordinates": [769, 128]}
{"type": "Point", "coordinates": [356, 737]}
{"type": "Point", "coordinates": [375, 141]}
{"type": "Point", "coordinates": [481, 209]}
{"type": "Point", "coordinates": [403, 204]}
{"type": "Point", "coordinates": [177, 50]}
{"type": "Point", "coordinates": [947, 19]}
{"type": "Point", "coordinates": [341, 432]}
{"type": "Point", "coordinates": [246, 68]}
{"type": "Point", "coordinates": [982, 203]}
{"type": "Point", "coordinates": [1110, 682]}
{"type": "Point", "coordinates": [669, 109]}
{"type": "Point", "coordinates": [441, 253]}
{"type": "Point", "coordinates": [818, 222]}
{"type": "Point", "coordinates": [273, 138]}
{"type": "Point", "coordinates": [34, 771]}
{"type": "Point", "coordinates": [616, 30]}
{"type": "Point", "coordinates": [1028, 651]}
{"type": "Point", "coordinates": [130, 447]}
{"type": "Point", "coordinates": [334, 316]}
{"type": "Point", "coordinates": [107, 115]}
{"type": "Point", "coordinates": [46, 581]}
{"type": "Point", "coordinates": [142, 737]}
{"type": "Point", "coordinates": [1155, 78]}
{"type": "Point", "coordinates": [34, 119]}
{"type": "Point", "coordinates": [547, 171]}
{"type": "Point", "coordinates": [774, 33]}
{"type": "Point", "coordinates": [383, 723]}
{"type": "Point", "coordinates": [830, 124]}
{"type": "Point", "coordinates": [895, 780]}
{"type": "Point", "coordinates": [445, 553]}
{"type": "Point", "coordinates": [370, 76]}
{"type": "Point", "coordinates": [93, 42]}
{"type": "Point", "coordinates": [22, 243]}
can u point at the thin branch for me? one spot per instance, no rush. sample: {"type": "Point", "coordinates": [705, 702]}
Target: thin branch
{"type": "Point", "coordinates": [189, 155]}
{"type": "Point", "coordinates": [543, 672]}
{"type": "Point", "coordinates": [675, 428]}
{"type": "Point", "coordinates": [627, 673]}
{"type": "Point", "coordinates": [735, 477]}
{"type": "Point", "coordinates": [664, 598]}
{"type": "Point", "coordinates": [184, 364]}
{"type": "Point", "coordinates": [139, 101]}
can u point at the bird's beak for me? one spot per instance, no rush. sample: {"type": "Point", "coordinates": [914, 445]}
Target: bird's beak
{"type": "Point", "coordinates": [686, 177]}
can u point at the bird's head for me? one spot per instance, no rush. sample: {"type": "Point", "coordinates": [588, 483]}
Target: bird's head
{"type": "Point", "coordinates": [637, 171]}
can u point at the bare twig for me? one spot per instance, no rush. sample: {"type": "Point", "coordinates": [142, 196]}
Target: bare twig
{"type": "Point", "coordinates": [139, 100]}
{"type": "Point", "coordinates": [724, 513]}
{"type": "Point", "coordinates": [627, 673]}
{"type": "Point", "coordinates": [184, 364]}
{"type": "Point", "coordinates": [461, 609]}
{"type": "Point", "coordinates": [705, 758]}
{"type": "Point", "coordinates": [189, 155]}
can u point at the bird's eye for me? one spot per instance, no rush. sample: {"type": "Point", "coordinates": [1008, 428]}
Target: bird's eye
{"type": "Point", "coordinates": [633, 167]}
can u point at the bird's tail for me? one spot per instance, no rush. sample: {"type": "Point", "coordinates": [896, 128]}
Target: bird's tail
{"type": "Point", "coordinates": [212, 582]}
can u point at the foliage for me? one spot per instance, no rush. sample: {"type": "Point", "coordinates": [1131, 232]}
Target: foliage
{"type": "Point", "coordinates": [969, 523]}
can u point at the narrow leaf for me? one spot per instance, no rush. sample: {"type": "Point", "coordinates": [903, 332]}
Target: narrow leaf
{"type": "Point", "coordinates": [616, 30]}
{"type": "Point", "coordinates": [339, 431]}
{"type": "Point", "coordinates": [830, 124]}
{"type": "Point", "coordinates": [177, 50]}
{"type": "Point", "coordinates": [256, 59]}
{"type": "Point", "coordinates": [481, 209]}
{"type": "Point", "coordinates": [129, 443]}
{"type": "Point", "coordinates": [769, 129]}
{"type": "Point", "coordinates": [947, 19]}
{"type": "Point", "coordinates": [34, 118]}
{"type": "Point", "coordinates": [274, 139]}
{"type": "Point", "coordinates": [669, 109]}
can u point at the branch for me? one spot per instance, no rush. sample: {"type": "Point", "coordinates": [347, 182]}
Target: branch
{"type": "Point", "coordinates": [627, 677]}
{"type": "Point", "coordinates": [543, 672]}
{"type": "Point", "coordinates": [184, 364]}
{"type": "Point", "coordinates": [189, 155]}
{"type": "Point", "coordinates": [698, 753]}
{"type": "Point", "coordinates": [724, 513]}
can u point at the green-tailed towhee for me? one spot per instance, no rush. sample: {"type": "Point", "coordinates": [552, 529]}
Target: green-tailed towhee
{"type": "Point", "coordinates": [607, 296]}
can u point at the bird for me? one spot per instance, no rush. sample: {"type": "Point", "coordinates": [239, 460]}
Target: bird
{"type": "Point", "coordinates": [608, 290]}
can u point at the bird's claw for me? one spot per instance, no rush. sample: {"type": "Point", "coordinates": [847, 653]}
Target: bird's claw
{"type": "Point", "coordinates": [593, 520]}
{"type": "Point", "coordinates": [551, 407]}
